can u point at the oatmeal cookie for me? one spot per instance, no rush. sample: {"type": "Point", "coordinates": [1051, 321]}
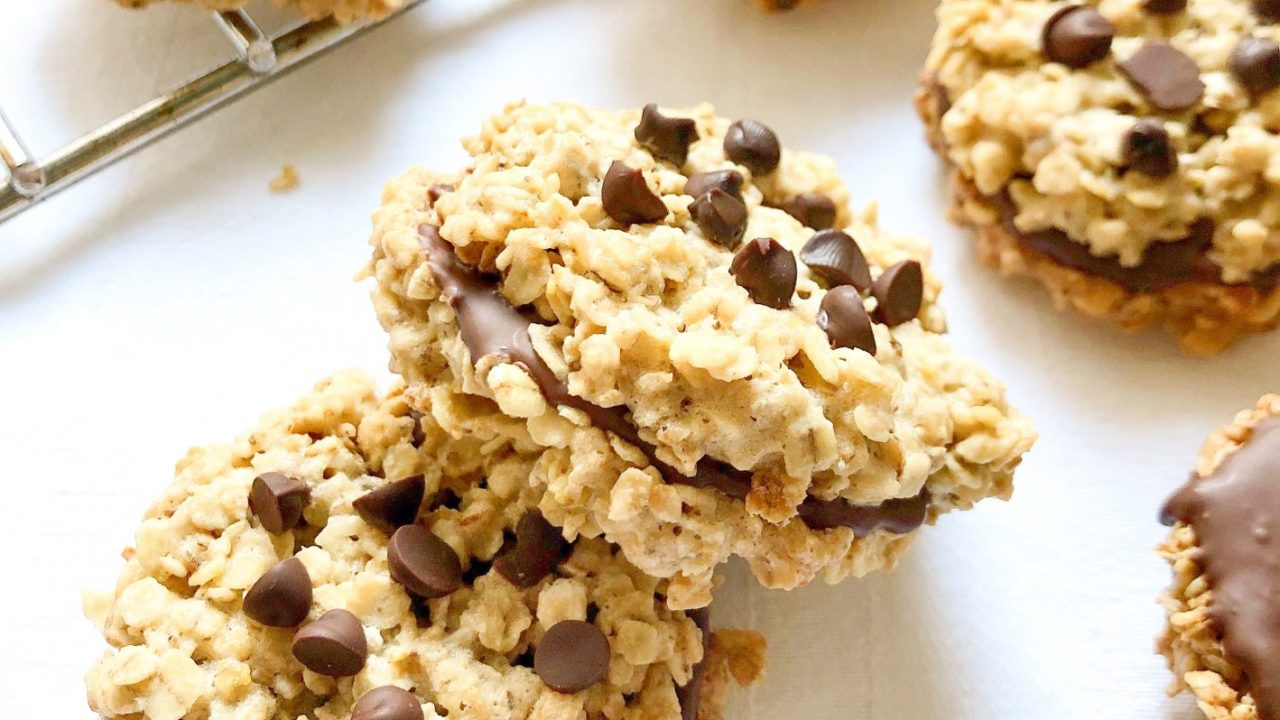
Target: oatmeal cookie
{"type": "Point", "coordinates": [1123, 152]}
{"type": "Point", "coordinates": [350, 560]}
{"type": "Point", "coordinates": [344, 11]}
{"type": "Point", "coordinates": [712, 352]}
{"type": "Point", "coordinates": [1223, 636]}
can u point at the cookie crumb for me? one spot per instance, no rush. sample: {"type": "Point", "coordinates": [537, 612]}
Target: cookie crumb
{"type": "Point", "coordinates": [285, 181]}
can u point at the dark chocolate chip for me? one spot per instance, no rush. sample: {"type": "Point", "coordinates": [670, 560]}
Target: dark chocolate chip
{"type": "Point", "coordinates": [1165, 76]}
{"type": "Point", "coordinates": [627, 197]}
{"type": "Point", "coordinates": [392, 505]}
{"type": "Point", "coordinates": [419, 435]}
{"type": "Point", "coordinates": [668, 138]}
{"type": "Point", "coordinates": [835, 257]}
{"type": "Point", "coordinates": [753, 145]}
{"type": "Point", "coordinates": [812, 209]}
{"type": "Point", "coordinates": [333, 645]}
{"type": "Point", "coordinates": [1256, 64]}
{"type": "Point", "coordinates": [1077, 36]}
{"type": "Point", "coordinates": [729, 181]}
{"type": "Point", "coordinates": [845, 321]}
{"type": "Point", "coordinates": [1267, 10]}
{"type": "Point", "coordinates": [1147, 149]}
{"type": "Point", "coordinates": [572, 656]}
{"type": "Point", "coordinates": [423, 563]}
{"type": "Point", "coordinates": [538, 549]}
{"type": "Point", "coordinates": [721, 217]}
{"type": "Point", "coordinates": [899, 292]}
{"type": "Point", "coordinates": [278, 500]}
{"type": "Point", "coordinates": [1164, 7]}
{"type": "Point", "coordinates": [767, 270]}
{"type": "Point", "coordinates": [282, 596]}
{"type": "Point", "coordinates": [387, 703]}
{"type": "Point", "coordinates": [438, 190]}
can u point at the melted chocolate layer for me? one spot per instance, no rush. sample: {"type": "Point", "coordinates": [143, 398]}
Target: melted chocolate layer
{"type": "Point", "coordinates": [690, 694]}
{"type": "Point", "coordinates": [1164, 264]}
{"type": "Point", "coordinates": [492, 326]}
{"type": "Point", "coordinates": [1235, 512]}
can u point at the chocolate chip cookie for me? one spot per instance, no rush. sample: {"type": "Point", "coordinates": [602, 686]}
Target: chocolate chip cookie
{"type": "Point", "coordinates": [1125, 154]}
{"type": "Point", "coordinates": [344, 11]}
{"type": "Point", "coordinates": [1223, 636]}
{"type": "Point", "coordinates": [709, 352]}
{"type": "Point", "coordinates": [349, 560]}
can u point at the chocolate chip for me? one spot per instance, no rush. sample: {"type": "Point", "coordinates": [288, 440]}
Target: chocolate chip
{"type": "Point", "coordinates": [392, 505]}
{"type": "Point", "coordinates": [845, 321]}
{"type": "Point", "coordinates": [1267, 10]}
{"type": "Point", "coordinates": [539, 548]}
{"type": "Point", "coordinates": [438, 190]}
{"type": "Point", "coordinates": [813, 210]}
{"type": "Point", "coordinates": [1147, 149]}
{"type": "Point", "coordinates": [768, 272]}
{"type": "Point", "coordinates": [835, 257]}
{"type": "Point", "coordinates": [572, 656]}
{"type": "Point", "coordinates": [423, 563]}
{"type": "Point", "coordinates": [282, 596]}
{"type": "Point", "coordinates": [627, 197]}
{"type": "Point", "coordinates": [1256, 64]}
{"type": "Point", "coordinates": [899, 292]}
{"type": "Point", "coordinates": [730, 181]}
{"type": "Point", "coordinates": [721, 217]}
{"type": "Point", "coordinates": [1164, 7]}
{"type": "Point", "coordinates": [753, 145]}
{"type": "Point", "coordinates": [278, 500]}
{"type": "Point", "coordinates": [387, 703]}
{"type": "Point", "coordinates": [1077, 36]}
{"type": "Point", "coordinates": [1165, 76]}
{"type": "Point", "coordinates": [333, 645]}
{"type": "Point", "coordinates": [666, 137]}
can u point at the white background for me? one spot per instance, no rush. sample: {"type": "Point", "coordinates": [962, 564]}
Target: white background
{"type": "Point", "coordinates": [170, 300]}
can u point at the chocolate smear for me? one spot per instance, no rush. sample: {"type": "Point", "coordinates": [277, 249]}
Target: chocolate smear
{"type": "Point", "coordinates": [1235, 512]}
{"type": "Point", "coordinates": [1165, 263]}
{"type": "Point", "coordinates": [690, 694]}
{"type": "Point", "coordinates": [490, 325]}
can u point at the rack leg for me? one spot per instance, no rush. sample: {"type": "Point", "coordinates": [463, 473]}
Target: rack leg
{"type": "Point", "coordinates": [254, 47]}
{"type": "Point", "coordinates": [26, 176]}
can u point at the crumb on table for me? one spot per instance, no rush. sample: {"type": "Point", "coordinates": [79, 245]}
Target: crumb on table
{"type": "Point", "coordinates": [285, 181]}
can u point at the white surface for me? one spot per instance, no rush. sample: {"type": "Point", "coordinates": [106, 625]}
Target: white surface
{"type": "Point", "coordinates": [168, 301]}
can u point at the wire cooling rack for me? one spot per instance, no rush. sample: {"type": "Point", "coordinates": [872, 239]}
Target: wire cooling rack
{"type": "Point", "coordinates": [259, 60]}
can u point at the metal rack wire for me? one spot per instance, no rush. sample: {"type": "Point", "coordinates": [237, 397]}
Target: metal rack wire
{"type": "Point", "coordinates": [259, 60]}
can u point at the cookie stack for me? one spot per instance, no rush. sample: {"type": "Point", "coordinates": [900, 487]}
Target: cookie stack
{"type": "Point", "coordinates": [631, 345]}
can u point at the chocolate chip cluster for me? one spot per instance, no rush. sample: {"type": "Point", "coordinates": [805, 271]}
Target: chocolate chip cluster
{"type": "Point", "coordinates": [1078, 36]}
{"type": "Point", "coordinates": [571, 657]}
{"type": "Point", "coordinates": [764, 267]}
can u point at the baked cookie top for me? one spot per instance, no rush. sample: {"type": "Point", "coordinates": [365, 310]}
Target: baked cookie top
{"type": "Point", "coordinates": [348, 560]}
{"type": "Point", "coordinates": [1143, 130]}
{"type": "Point", "coordinates": [344, 11]}
{"type": "Point", "coordinates": [1223, 637]}
{"type": "Point", "coordinates": [715, 354]}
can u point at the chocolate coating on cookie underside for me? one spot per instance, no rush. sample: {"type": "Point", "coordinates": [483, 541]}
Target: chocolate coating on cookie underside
{"type": "Point", "coordinates": [1164, 264]}
{"type": "Point", "coordinates": [1235, 512]}
{"type": "Point", "coordinates": [490, 325]}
